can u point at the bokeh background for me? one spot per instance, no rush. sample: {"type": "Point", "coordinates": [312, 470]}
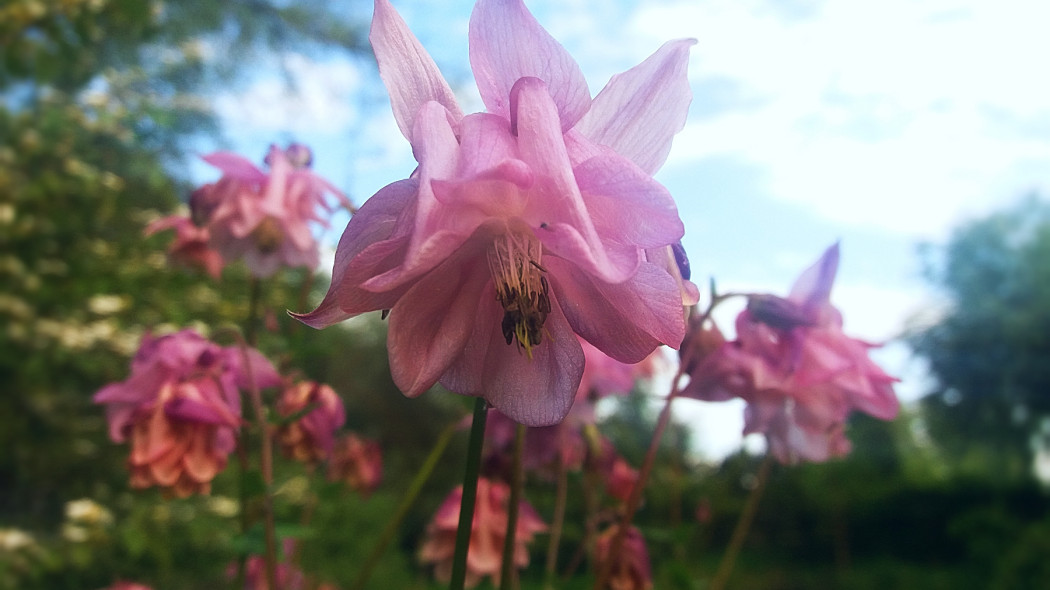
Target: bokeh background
{"type": "Point", "coordinates": [915, 133]}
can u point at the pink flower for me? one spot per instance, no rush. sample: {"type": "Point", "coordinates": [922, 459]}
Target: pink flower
{"type": "Point", "coordinates": [630, 569]}
{"type": "Point", "coordinates": [310, 437]}
{"type": "Point", "coordinates": [191, 246]}
{"type": "Point", "coordinates": [798, 372]}
{"type": "Point", "coordinates": [523, 225]}
{"type": "Point", "coordinates": [265, 218]}
{"type": "Point", "coordinates": [620, 479]}
{"type": "Point", "coordinates": [485, 554]}
{"type": "Point", "coordinates": [121, 585]}
{"type": "Point", "coordinates": [288, 576]}
{"type": "Point", "coordinates": [180, 408]}
{"type": "Point", "coordinates": [358, 462]}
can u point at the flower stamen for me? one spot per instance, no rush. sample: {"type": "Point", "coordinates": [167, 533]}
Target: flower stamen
{"type": "Point", "coordinates": [521, 288]}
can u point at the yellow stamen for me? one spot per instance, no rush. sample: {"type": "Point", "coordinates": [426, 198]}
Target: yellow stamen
{"type": "Point", "coordinates": [521, 288]}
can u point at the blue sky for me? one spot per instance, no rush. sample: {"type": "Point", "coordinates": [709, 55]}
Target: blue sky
{"type": "Point", "coordinates": [880, 124]}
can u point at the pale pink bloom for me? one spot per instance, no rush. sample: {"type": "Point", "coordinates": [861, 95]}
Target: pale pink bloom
{"type": "Point", "coordinates": [630, 569]}
{"type": "Point", "coordinates": [485, 554]}
{"type": "Point", "coordinates": [800, 374]}
{"type": "Point", "coordinates": [358, 462]}
{"type": "Point", "coordinates": [191, 246]}
{"type": "Point", "coordinates": [309, 438]}
{"type": "Point", "coordinates": [266, 218]}
{"type": "Point", "coordinates": [522, 225]}
{"type": "Point", "coordinates": [180, 409]}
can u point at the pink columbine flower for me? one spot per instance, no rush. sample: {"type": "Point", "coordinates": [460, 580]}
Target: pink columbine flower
{"type": "Point", "coordinates": [799, 373]}
{"type": "Point", "coordinates": [180, 409]}
{"type": "Point", "coordinates": [267, 218]}
{"type": "Point", "coordinates": [289, 577]}
{"type": "Point", "coordinates": [485, 554]}
{"type": "Point", "coordinates": [630, 569]}
{"type": "Point", "coordinates": [191, 246]}
{"type": "Point", "coordinates": [122, 585]}
{"type": "Point", "coordinates": [310, 437]}
{"type": "Point", "coordinates": [358, 462]}
{"type": "Point", "coordinates": [523, 225]}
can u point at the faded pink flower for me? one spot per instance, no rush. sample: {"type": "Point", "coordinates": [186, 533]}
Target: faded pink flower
{"type": "Point", "coordinates": [191, 246]}
{"type": "Point", "coordinates": [265, 218]}
{"type": "Point", "coordinates": [522, 225]}
{"type": "Point", "coordinates": [630, 569]}
{"type": "Point", "coordinates": [289, 577]}
{"type": "Point", "coordinates": [309, 438]}
{"type": "Point", "coordinates": [485, 554]}
{"type": "Point", "coordinates": [358, 462]}
{"type": "Point", "coordinates": [620, 479]}
{"type": "Point", "coordinates": [180, 408]}
{"type": "Point", "coordinates": [799, 373]}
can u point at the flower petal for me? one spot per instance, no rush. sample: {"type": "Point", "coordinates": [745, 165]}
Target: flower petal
{"type": "Point", "coordinates": [409, 73]}
{"type": "Point", "coordinates": [627, 320]}
{"type": "Point", "coordinates": [812, 289]}
{"type": "Point", "coordinates": [432, 321]}
{"type": "Point", "coordinates": [374, 239]}
{"type": "Point", "coordinates": [639, 111]}
{"type": "Point", "coordinates": [506, 44]}
{"type": "Point", "coordinates": [236, 166]}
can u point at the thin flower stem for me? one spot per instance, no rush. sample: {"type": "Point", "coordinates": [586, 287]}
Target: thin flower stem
{"type": "Point", "coordinates": [557, 522]}
{"type": "Point", "coordinates": [470, 493]}
{"type": "Point", "coordinates": [634, 500]}
{"type": "Point", "coordinates": [747, 516]}
{"type": "Point", "coordinates": [406, 503]}
{"type": "Point", "coordinates": [508, 570]}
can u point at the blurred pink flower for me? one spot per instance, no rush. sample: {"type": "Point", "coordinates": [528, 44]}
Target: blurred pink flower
{"type": "Point", "coordinates": [620, 479]}
{"type": "Point", "coordinates": [799, 373]}
{"type": "Point", "coordinates": [630, 569]}
{"type": "Point", "coordinates": [127, 586]}
{"type": "Point", "coordinates": [180, 408]}
{"type": "Point", "coordinates": [289, 577]}
{"type": "Point", "coordinates": [265, 218]}
{"type": "Point", "coordinates": [191, 246]}
{"type": "Point", "coordinates": [309, 438]}
{"type": "Point", "coordinates": [485, 554]}
{"type": "Point", "coordinates": [358, 462]}
{"type": "Point", "coordinates": [522, 225]}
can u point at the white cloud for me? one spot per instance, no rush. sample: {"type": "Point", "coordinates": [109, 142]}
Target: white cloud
{"type": "Point", "coordinates": [321, 98]}
{"type": "Point", "coordinates": [898, 114]}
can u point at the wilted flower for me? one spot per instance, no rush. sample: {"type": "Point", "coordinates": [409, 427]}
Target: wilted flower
{"type": "Point", "coordinates": [358, 462]}
{"type": "Point", "coordinates": [309, 437]}
{"type": "Point", "coordinates": [262, 217]}
{"type": "Point", "coordinates": [489, 529]}
{"type": "Point", "coordinates": [630, 569]}
{"type": "Point", "coordinates": [523, 225]}
{"type": "Point", "coordinates": [798, 372]}
{"type": "Point", "coordinates": [181, 408]}
{"type": "Point", "coordinates": [191, 246]}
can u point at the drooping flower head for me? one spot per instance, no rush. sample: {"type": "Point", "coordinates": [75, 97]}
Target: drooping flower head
{"type": "Point", "coordinates": [630, 569]}
{"type": "Point", "coordinates": [310, 437]}
{"type": "Point", "coordinates": [799, 373]}
{"type": "Point", "coordinates": [489, 529]}
{"type": "Point", "coordinates": [358, 462]}
{"type": "Point", "coordinates": [524, 225]}
{"type": "Point", "coordinates": [266, 218]}
{"type": "Point", "coordinates": [180, 409]}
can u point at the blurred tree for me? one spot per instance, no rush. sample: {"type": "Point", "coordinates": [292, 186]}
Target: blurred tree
{"type": "Point", "coordinates": [989, 350]}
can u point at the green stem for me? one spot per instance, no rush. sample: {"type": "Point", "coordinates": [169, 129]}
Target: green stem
{"type": "Point", "coordinates": [557, 522]}
{"type": "Point", "coordinates": [507, 570]}
{"type": "Point", "coordinates": [747, 516]}
{"type": "Point", "coordinates": [402, 510]}
{"type": "Point", "coordinates": [470, 493]}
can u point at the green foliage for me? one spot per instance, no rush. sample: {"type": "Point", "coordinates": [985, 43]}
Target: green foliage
{"type": "Point", "coordinates": [988, 352]}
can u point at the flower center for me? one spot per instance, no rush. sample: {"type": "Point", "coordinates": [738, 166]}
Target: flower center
{"type": "Point", "coordinates": [521, 288]}
{"type": "Point", "coordinates": [268, 235]}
